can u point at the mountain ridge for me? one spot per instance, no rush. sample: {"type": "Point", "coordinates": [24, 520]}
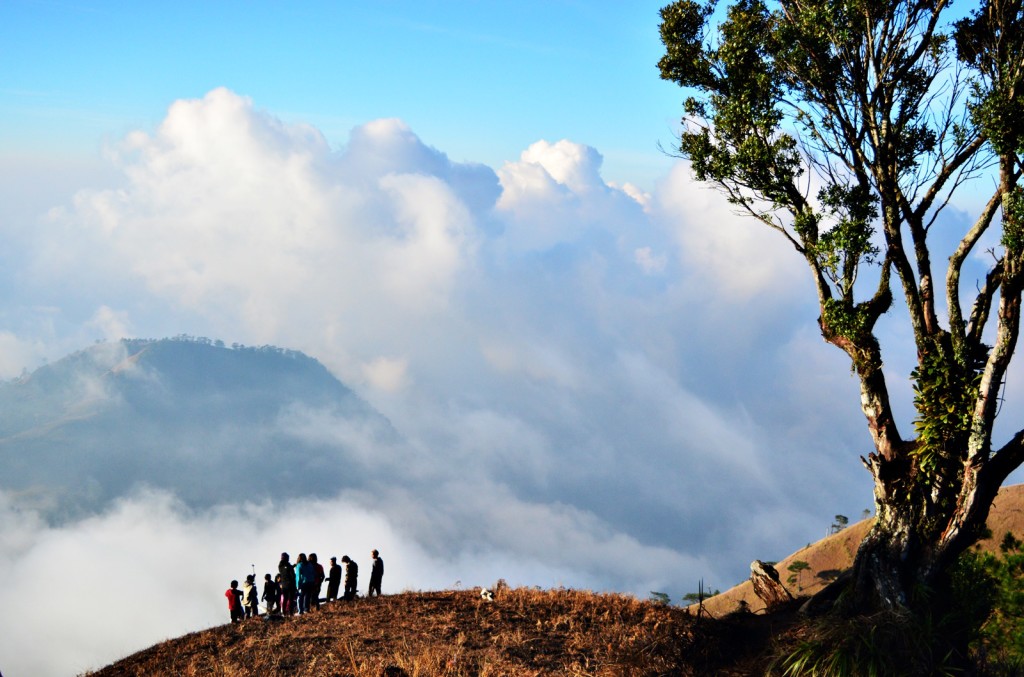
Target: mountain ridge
{"type": "Point", "coordinates": [183, 414]}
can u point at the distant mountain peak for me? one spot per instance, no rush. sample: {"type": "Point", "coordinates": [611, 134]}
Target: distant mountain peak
{"type": "Point", "coordinates": [185, 414]}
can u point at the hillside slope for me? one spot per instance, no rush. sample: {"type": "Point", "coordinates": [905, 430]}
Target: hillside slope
{"type": "Point", "coordinates": [523, 632]}
{"type": "Point", "coordinates": [831, 555]}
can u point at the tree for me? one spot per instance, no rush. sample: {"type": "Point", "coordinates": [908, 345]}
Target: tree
{"type": "Point", "coordinates": [795, 570]}
{"type": "Point", "coordinates": [660, 598]}
{"type": "Point", "coordinates": [848, 126]}
{"type": "Point", "coordinates": [841, 523]}
{"type": "Point", "coordinates": [700, 596]}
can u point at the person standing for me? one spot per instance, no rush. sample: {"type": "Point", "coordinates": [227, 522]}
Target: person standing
{"type": "Point", "coordinates": [333, 580]}
{"type": "Point", "coordinates": [287, 573]}
{"type": "Point", "coordinates": [281, 603]}
{"type": "Point", "coordinates": [351, 575]}
{"type": "Point", "coordinates": [250, 595]}
{"type": "Point", "coordinates": [234, 596]}
{"type": "Point", "coordinates": [318, 581]}
{"type": "Point", "coordinates": [305, 575]}
{"type": "Point", "coordinates": [376, 573]}
{"type": "Point", "coordinates": [271, 594]}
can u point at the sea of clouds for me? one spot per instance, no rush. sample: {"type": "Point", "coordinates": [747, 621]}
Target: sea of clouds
{"type": "Point", "coordinates": [595, 386]}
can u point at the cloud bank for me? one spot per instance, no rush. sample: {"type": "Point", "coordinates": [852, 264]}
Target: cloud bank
{"type": "Point", "coordinates": [597, 386]}
{"type": "Point", "coordinates": [149, 568]}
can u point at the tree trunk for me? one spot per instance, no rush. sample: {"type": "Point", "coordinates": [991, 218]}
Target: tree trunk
{"type": "Point", "coordinates": [892, 560]}
{"type": "Point", "coordinates": [902, 565]}
{"type": "Point", "coordinates": [765, 579]}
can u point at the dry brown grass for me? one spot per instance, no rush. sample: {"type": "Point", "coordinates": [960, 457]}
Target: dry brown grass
{"type": "Point", "coordinates": [835, 553]}
{"type": "Point", "coordinates": [523, 632]}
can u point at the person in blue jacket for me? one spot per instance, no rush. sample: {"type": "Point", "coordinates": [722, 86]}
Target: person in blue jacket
{"type": "Point", "coordinates": [305, 580]}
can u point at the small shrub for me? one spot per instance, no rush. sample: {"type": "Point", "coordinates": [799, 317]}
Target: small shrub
{"type": "Point", "coordinates": [878, 645]}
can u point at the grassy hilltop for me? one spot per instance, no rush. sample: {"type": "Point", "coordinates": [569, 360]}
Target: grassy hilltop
{"type": "Point", "coordinates": [456, 633]}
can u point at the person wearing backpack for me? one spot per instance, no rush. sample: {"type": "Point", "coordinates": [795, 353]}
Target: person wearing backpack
{"type": "Point", "coordinates": [250, 595]}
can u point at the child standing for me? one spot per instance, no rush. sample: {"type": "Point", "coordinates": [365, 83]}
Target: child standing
{"type": "Point", "coordinates": [234, 596]}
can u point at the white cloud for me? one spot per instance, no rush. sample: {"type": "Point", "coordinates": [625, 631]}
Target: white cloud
{"type": "Point", "coordinates": [17, 352]}
{"type": "Point", "coordinates": [113, 325]}
{"type": "Point", "coordinates": [433, 239]}
{"type": "Point", "coordinates": [535, 360]}
{"type": "Point", "coordinates": [386, 373]}
{"type": "Point", "coordinates": [149, 569]}
{"type": "Point", "coordinates": [262, 229]}
{"type": "Point", "coordinates": [648, 261]}
{"type": "Point", "coordinates": [736, 256]}
{"type": "Point", "coordinates": [585, 374]}
{"type": "Point", "coordinates": [570, 164]}
{"type": "Point", "coordinates": [555, 194]}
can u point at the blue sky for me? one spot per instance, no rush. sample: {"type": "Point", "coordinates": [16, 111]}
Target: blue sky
{"type": "Point", "coordinates": [480, 80]}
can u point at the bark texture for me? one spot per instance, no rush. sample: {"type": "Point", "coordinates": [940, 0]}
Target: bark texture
{"type": "Point", "coordinates": [767, 585]}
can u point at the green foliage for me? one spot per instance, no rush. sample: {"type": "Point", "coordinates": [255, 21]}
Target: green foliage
{"type": "Point", "coordinates": [682, 32]}
{"type": "Point", "coordinates": [843, 318]}
{"type": "Point", "coordinates": [796, 570]}
{"type": "Point", "coordinates": [1001, 119]}
{"type": "Point", "coordinates": [1013, 221]}
{"type": "Point", "coordinates": [981, 39]}
{"type": "Point", "coordinates": [944, 394]}
{"type": "Point", "coordinates": [993, 588]}
{"type": "Point", "coordinates": [659, 598]}
{"type": "Point", "coordinates": [696, 597]}
{"type": "Point", "coordinates": [840, 249]}
{"type": "Point", "coordinates": [740, 94]}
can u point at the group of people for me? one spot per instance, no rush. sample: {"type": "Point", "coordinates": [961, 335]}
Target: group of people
{"type": "Point", "coordinates": [296, 588]}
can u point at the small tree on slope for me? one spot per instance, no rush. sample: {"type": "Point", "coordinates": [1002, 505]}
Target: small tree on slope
{"type": "Point", "coordinates": [887, 108]}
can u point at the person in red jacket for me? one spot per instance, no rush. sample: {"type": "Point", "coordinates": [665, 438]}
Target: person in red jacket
{"type": "Point", "coordinates": [234, 596]}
